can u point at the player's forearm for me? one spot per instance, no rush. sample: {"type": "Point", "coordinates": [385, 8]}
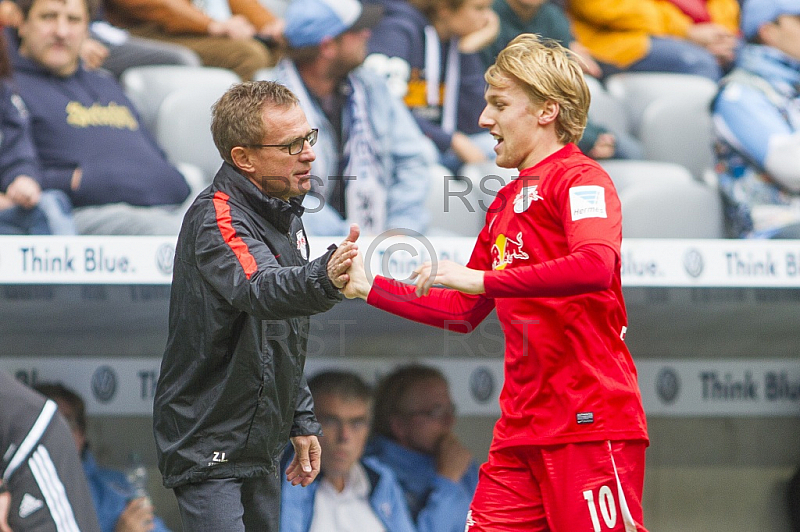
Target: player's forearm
{"type": "Point", "coordinates": [588, 269]}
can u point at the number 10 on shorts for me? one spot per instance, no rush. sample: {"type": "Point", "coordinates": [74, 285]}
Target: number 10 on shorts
{"type": "Point", "coordinates": [608, 508]}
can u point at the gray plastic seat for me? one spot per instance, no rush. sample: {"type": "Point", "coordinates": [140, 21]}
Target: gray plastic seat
{"type": "Point", "coordinates": [183, 128]}
{"type": "Point", "coordinates": [637, 90]}
{"type": "Point", "coordinates": [147, 86]}
{"type": "Point", "coordinates": [679, 130]}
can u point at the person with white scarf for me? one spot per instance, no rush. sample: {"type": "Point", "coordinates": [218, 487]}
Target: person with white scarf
{"type": "Point", "coordinates": [374, 166]}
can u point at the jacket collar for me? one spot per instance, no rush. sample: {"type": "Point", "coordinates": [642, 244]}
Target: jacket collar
{"type": "Point", "coordinates": [241, 190]}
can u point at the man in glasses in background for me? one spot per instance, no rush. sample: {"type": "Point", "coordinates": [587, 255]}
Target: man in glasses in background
{"type": "Point", "coordinates": [374, 166]}
{"type": "Point", "coordinates": [413, 434]}
{"type": "Point", "coordinates": [351, 492]}
{"type": "Point", "coordinates": [231, 391]}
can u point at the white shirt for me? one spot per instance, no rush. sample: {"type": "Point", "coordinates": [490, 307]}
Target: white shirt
{"type": "Point", "coordinates": [348, 511]}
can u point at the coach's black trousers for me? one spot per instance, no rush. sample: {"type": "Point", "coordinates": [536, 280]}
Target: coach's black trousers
{"type": "Point", "coordinates": [231, 505]}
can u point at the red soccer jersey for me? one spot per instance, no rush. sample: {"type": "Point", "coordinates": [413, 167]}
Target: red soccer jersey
{"type": "Point", "coordinates": [568, 375]}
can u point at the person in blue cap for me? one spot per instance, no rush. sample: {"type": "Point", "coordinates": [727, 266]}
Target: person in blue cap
{"type": "Point", "coordinates": [374, 166]}
{"type": "Point", "coordinates": [757, 125]}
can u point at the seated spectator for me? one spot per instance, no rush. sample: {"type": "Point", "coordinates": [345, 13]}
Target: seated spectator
{"type": "Point", "coordinates": [422, 46]}
{"type": "Point", "coordinates": [373, 164]}
{"type": "Point", "coordinates": [548, 20]}
{"type": "Point", "coordinates": [351, 493]}
{"type": "Point", "coordinates": [757, 125]}
{"type": "Point", "coordinates": [230, 34]}
{"type": "Point", "coordinates": [86, 132]}
{"type": "Point", "coordinates": [24, 208]}
{"type": "Point", "coordinates": [413, 435]}
{"type": "Point", "coordinates": [683, 36]}
{"type": "Point", "coordinates": [112, 494]}
{"type": "Point", "coordinates": [114, 49]}
{"type": "Point", "coordinates": [42, 485]}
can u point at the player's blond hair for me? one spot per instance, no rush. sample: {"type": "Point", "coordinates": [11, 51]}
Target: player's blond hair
{"type": "Point", "coordinates": [547, 72]}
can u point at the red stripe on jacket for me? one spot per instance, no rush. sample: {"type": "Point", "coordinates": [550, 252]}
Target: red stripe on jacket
{"type": "Point", "coordinates": [225, 224]}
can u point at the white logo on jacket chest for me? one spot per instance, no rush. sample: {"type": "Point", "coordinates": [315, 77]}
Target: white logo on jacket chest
{"type": "Point", "coordinates": [525, 197]}
{"type": "Point", "coordinates": [302, 244]}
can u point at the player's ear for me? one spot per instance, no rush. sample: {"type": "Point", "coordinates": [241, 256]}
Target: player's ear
{"type": "Point", "coordinates": [548, 112]}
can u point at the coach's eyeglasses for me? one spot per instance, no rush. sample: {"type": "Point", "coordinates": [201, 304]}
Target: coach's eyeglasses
{"type": "Point", "coordinates": [295, 146]}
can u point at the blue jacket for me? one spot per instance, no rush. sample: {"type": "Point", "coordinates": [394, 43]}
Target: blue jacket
{"type": "Point", "coordinates": [757, 126]}
{"type": "Point", "coordinates": [111, 492]}
{"type": "Point", "coordinates": [85, 120]}
{"type": "Point", "coordinates": [401, 34]}
{"type": "Point", "coordinates": [406, 158]}
{"type": "Point", "coordinates": [437, 504]}
{"type": "Point", "coordinates": [386, 499]}
{"type": "Point", "coordinates": [17, 154]}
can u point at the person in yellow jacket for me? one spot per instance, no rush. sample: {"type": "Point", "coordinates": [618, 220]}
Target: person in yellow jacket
{"type": "Point", "coordinates": [684, 36]}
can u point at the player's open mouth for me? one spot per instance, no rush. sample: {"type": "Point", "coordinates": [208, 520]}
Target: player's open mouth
{"type": "Point", "coordinates": [499, 140]}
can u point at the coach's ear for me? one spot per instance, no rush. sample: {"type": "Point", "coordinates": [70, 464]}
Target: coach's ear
{"type": "Point", "coordinates": [241, 158]}
{"type": "Point", "coordinates": [548, 112]}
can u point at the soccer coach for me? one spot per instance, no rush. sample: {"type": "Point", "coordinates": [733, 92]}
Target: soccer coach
{"type": "Point", "coordinates": [231, 392]}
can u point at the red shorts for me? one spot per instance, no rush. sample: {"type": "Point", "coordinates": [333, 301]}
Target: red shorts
{"type": "Point", "coordinates": [591, 487]}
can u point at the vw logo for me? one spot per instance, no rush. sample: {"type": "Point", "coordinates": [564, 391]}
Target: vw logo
{"type": "Point", "coordinates": [481, 384]}
{"type": "Point", "coordinates": [693, 263]}
{"type": "Point", "coordinates": [668, 385]}
{"type": "Point", "coordinates": [165, 255]}
{"type": "Point", "coordinates": [104, 384]}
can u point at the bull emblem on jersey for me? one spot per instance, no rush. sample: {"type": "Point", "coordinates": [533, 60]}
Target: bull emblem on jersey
{"type": "Point", "coordinates": [506, 250]}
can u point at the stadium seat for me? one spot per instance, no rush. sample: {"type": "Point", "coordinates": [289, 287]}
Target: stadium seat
{"type": "Point", "coordinates": [678, 130]}
{"type": "Point", "coordinates": [626, 174]}
{"type": "Point", "coordinates": [265, 74]}
{"type": "Point", "coordinates": [183, 128]}
{"type": "Point", "coordinates": [680, 209]}
{"type": "Point", "coordinates": [147, 86]}
{"type": "Point", "coordinates": [638, 89]}
{"type": "Point", "coordinates": [453, 206]}
{"type": "Point", "coordinates": [605, 109]}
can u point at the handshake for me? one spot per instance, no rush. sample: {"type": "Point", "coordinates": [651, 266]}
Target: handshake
{"type": "Point", "coordinates": [347, 273]}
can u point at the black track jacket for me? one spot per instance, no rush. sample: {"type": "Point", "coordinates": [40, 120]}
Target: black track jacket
{"type": "Point", "coordinates": [231, 389]}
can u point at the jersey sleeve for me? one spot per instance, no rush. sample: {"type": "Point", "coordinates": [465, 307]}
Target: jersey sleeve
{"type": "Point", "coordinates": [590, 208]}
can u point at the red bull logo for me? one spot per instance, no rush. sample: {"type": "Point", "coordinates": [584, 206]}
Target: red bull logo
{"type": "Point", "coordinates": [506, 250]}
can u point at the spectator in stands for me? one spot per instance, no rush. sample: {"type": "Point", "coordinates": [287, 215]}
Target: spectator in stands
{"type": "Point", "coordinates": [373, 165]}
{"type": "Point", "coordinates": [234, 34]}
{"type": "Point", "coordinates": [86, 132]}
{"type": "Point", "coordinates": [757, 124]}
{"type": "Point", "coordinates": [24, 207]}
{"type": "Point", "coordinates": [548, 20]}
{"type": "Point", "coordinates": [117, 509]}
{"type": "Point", "coordinates": [351, 492]}
{"type": "Point", "coordinates": [112, 48]}
{"type": "Point", "coordinates": [684, 36]}
{"type": "Point", "coordinates": [413, 435]}
{"type": "Point", "coordinates": [428, 50]}
{"type": "Point", "coordinates": [116, 50]}
{"type": "Point", "coordinates": [39, 466]}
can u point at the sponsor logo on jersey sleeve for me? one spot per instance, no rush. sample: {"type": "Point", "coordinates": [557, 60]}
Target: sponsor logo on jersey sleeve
{"type": "Point", "coordinates": [506, 250]}
{"type": "Point", "coordinates": [587, 201]}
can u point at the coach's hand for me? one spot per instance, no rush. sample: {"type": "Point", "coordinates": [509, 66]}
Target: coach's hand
{"type": "Point", "coordinates": [5, 505]}
{"type": "Point", "coordinates": [305, 464]}
{"type": "Point", "coordinates": [341, 259]}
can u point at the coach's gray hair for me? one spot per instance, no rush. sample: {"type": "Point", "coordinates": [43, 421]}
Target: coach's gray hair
{"type": "Point", "coordinates": [236, 117]}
